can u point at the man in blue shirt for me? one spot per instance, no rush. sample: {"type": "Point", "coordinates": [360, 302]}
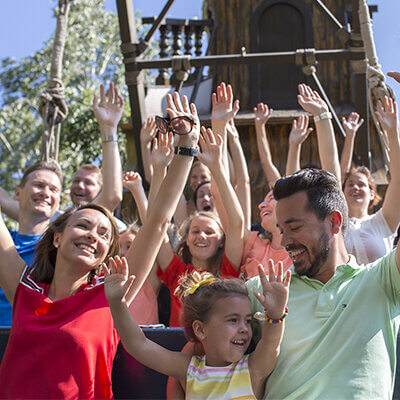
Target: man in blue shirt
{"type": "Point", "coordinates": [38, 196]}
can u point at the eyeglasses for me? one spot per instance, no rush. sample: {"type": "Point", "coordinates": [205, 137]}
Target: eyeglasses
{"type": "Point", "coordinates": [180, 125]}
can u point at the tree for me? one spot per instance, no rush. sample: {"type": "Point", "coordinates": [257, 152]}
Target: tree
{"type": "Point", "coordinates": [92, 55]}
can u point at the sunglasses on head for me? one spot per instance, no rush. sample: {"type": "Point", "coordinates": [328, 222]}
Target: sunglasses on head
{"type": "Point", "coordinates": [180, 125]}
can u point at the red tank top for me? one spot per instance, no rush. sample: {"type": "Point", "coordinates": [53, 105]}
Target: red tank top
{"type": "Point", "coordinates": [61, 349]}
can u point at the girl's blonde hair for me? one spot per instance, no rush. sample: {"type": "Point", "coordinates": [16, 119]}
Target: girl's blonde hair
{"type": "Point", "coordinates": [182, 248]}
{"type": "Point", "coordinates": [198, 299]}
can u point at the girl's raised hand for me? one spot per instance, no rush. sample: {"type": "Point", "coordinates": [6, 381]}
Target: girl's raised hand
{"type": "Point", "coordinates": [388, 115]}
{"type": "Point", "coordinates": [311, 101]}
{"type": "Point", "coordinates": [177, 108]}
{"type": "Point", "coordinates": [108, 112]}
{"type": "Point", "coordinates": [116, 280]}
{"type": "Point", "coordinates": [148, 130]}
{"type": "Point", "coordinates": [223, 107]}
{"type": "Point", "coordinates": [211, 148]}
{"type": "Point", "coordinates": [131, 181]}
{"type": "Point", "coordinates": [275, 290]}
{"type": "Point", "coordinates": [163, 150]}
{"type": "Point", "coordinates": [300, 130]}
{"type": "Point", "coordinates": [262, 113]}
{"type": "Point", "coordinates": [352, 124]}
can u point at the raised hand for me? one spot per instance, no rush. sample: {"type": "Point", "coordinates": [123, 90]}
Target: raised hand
{"type": "Point", "coordinates": [311, 101]}
{"type": "Point", "coordinates": [394, 75]}
{"type": "Point", "coordinates": [352, 124]}
{"type": "Point", "coordinates": [131, 181]}
{"type": "Point", "coordinates": [163, 150]}
{"type": "Point", "coordinates": [300, 130]}
{"type": "Point", "coordinates": [388, 115]}
{"type": "Point", "coordinates": [108, 112]}
{"type": "Point", "coordinates": [223, 107]}
{"type": "Point", "coordinates": [262, 113]}
{"type": "Point", "coordinates": [116, 280]}
{"type": "Point", "coordinates": [177, 108]}
{"type": "Point", "coordinates": [211, 148]}
{"type": "Point", "coordinates": [275, 291]}
{"type": "Point", "coordinates": [148, 130]}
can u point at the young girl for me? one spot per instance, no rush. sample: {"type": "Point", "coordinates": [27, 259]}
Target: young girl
{"type": "Point", "coordinates": [216, 313]}
{"type": "Point", "coordinates": [204, 245]}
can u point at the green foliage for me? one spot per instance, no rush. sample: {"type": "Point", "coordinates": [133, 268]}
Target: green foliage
{"type": "Point", "coordinates": [92, 55]}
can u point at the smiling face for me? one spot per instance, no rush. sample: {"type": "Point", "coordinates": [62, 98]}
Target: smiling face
{"type": "Point", "coordinates": [85, 187]}
{"type": "Point", "coordinates": [267, 212]}
{"type": "Point", "coordinates": [358, 193]}
{"type": "Point", "coordinates": [40, 194]}
{"type": "Point", "coordinates": [227, 332]}
{"type": "Point", "coordinates": [86, 239]}
{"type": "Point", "coordinates": [204, 238]}
{"type": "Point", "coordinates": [306, 238]}
{"type": "Point", "coordinates": [199, 173]}
{"type": "Point", "coordinates": [204, 198]}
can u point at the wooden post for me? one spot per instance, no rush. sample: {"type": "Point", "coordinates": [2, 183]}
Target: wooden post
{"type": "Point", "coordinates": [134, 81]}
{"type": "Point", "coordinates": [359, 66]}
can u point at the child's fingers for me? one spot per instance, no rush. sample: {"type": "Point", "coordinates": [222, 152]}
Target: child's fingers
{"type": "Point", "coordinates": [271, 270]}
{"type": "Point", "coordinates": [279, 272]}
{"type": "Point", "coordinates": [112, 266]}
{"type": "Point", "coordinates": [177, 101]}
{"type": "Point", "coordinates": [127, 285]}
{"type": "Point", "coordinates": [287, 278]}
{"type": "Point", "coordinates": [263, 277]}
{"type": "Point", "coordinates": [106, 271]}
{"type": "Point", "coordinates": [185, 104]}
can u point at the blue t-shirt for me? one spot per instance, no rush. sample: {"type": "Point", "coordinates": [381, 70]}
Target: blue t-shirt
{"type": "Point", "coordinates": [25, 245]}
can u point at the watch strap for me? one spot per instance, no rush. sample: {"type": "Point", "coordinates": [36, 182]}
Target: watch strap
{"type": "Point", "coordinates": [186, 151]}
{"type": "Point", "coordinates": [324, 115]}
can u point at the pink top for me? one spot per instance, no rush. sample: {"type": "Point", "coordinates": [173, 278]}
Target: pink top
{"type": "Point", "coordinates": [175, 270]}
{"type": "Point", "coordinates": [60, 349]}
{"type": "Point", "coordinates": [144, 307]}
{"type": "Point", "coordinates": [257, 250]}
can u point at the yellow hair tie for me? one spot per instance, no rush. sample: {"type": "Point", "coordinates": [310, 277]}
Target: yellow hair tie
{"type": "Point", "coordinates": [197, 285]}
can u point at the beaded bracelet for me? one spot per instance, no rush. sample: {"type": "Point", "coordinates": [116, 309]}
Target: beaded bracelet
{"type": "Point", "coordinates": [263, 317]}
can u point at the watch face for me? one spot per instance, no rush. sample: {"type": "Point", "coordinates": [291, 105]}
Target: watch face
{"type": "Point", "coordinates": [186, 151]}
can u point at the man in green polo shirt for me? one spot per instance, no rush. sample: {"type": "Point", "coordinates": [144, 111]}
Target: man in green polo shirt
{"type": "Point", "coordinates": [340, 334]}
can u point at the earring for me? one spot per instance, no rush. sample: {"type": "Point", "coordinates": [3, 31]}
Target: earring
{"type": "Point", "coordinates": [56, 245]}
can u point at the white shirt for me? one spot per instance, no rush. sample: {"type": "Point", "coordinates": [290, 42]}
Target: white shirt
{"type": "Point", "coordinates": [369, 238]}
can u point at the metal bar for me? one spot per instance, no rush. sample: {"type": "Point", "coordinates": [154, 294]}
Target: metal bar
{"type": "Point", "coordinates": [326, 99]}
{"type": "Point", "coordinates": [157, 23]}
{"type": "Point", "coordinates": [252, 58]}
{"type": "Point", "coordinates": [328, 13]}
{"type": "Point", "coordinates": [128, 35]}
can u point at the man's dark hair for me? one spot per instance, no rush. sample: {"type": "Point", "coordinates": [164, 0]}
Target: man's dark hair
{"type": "Point", "coordinates": [50, 165]}
{"type": "Point", "coordinates": [323, 190]}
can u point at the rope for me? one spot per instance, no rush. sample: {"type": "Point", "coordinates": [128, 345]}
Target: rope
{"type": "Point", "coordinates": [50, 99]}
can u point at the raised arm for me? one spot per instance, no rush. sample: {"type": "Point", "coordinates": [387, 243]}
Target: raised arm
{"type": "Point", "coordinates": [388, 117]}
{"type": "Point", "coordinates": [223, 110]}
{"type": "Point", "coordinates": [108, 113]}
{"type": "Point", "coordinates": [8, 205]}
{"type": "Point", "coordinates": [145, 247]}
{"type": "Point", "coordinates": [262, 114]}
{"type": "Point", "coordinates": [117, 285]}
{"type": "Point", "coordinates": [147, 134]}
{"type": "Point", "coordinates": [161, 157]}
{"type": "Point", "coordinates": [211, 155]}
{"type": "Point", "coordinates": [297, 136]}
{"type": "Point", "coordinates": [241, 172]}
{"type": "Point", "coordinates": [274, 299]}
{"type": "Point", "coordinates": [133, 182]}
{"type": "Point", "coordinates": [311, 102]}
{"type": "Point", "coordinates": [351, 126]}
{"type": "Point", "coordinates": [11, 264]}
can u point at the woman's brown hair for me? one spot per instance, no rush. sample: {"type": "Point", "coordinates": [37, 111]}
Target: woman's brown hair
{"type": "Point", "coordinates": [198, 305]}
{"type": "Point", "coordinates": [182, 248]}
{"type": "Point", "coordinates": [46, 254]}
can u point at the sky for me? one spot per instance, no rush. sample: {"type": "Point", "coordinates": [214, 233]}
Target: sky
{"type": "Point", "coordinates": [26, 24]}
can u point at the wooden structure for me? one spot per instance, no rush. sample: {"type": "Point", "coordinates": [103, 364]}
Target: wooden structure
{"type": "Point", "coordinates": [264, 48]}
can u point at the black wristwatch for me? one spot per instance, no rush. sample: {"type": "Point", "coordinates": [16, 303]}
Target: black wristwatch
{"type": "Point", "coordinates": [186, 151]}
